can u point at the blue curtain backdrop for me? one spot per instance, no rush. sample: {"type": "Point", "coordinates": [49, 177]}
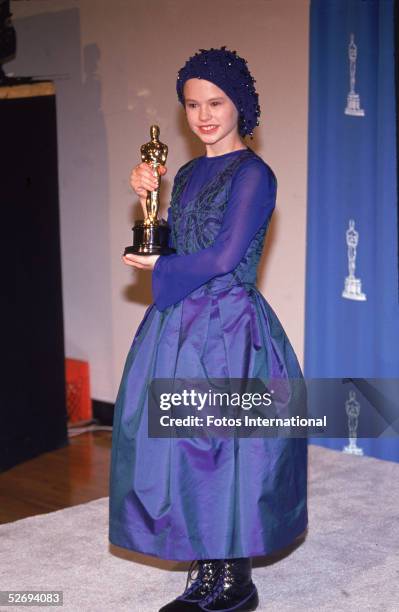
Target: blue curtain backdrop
{"type": "Point", "coordinates": [352, 308]}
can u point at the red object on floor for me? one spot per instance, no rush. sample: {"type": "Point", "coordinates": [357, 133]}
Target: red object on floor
{"type": "Point", "coordinates": [79, 404]}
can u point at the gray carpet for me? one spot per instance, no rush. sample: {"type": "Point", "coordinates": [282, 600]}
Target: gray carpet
{"type": "Point", "coordinates": [349, 559]}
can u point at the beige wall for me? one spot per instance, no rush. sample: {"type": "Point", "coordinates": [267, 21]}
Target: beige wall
{"type": "Point", "coordinates": [115, 66]}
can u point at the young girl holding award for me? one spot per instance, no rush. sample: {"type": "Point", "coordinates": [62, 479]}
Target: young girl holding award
{"type": "Point", "coordinates": [217, 502]}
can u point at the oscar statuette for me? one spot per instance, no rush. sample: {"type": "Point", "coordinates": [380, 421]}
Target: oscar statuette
{"type": "Point", "coordinates": [151, 235]}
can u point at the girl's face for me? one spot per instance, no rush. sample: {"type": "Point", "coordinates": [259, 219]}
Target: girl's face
{"type": "Point", "coordinates": [211, 115]}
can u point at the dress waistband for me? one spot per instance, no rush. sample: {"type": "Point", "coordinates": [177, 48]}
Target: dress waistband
{"type": "Point", "coordinates": [222, 282]}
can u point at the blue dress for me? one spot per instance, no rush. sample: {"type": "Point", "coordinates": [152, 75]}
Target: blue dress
{"type": "Point", "coordinates": [201, 498]}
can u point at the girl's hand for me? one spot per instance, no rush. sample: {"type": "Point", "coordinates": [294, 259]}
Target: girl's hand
{"type": "Point", "coordinates": [142, 179]}
{"type": "Point", "coordinates": [145, 262]}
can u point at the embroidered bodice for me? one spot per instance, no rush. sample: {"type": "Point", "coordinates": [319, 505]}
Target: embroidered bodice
{"type": "Point", "coordinates": [219, 213]}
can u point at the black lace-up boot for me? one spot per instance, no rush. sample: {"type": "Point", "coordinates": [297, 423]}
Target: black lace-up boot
{"type": "Point", "coordinates": [234, 589]}
{"type": "Point", "coordinates": [200, 587]}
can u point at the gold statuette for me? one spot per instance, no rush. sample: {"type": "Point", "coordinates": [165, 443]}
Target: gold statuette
{"type": "Point", "coordinates": [151, 236]}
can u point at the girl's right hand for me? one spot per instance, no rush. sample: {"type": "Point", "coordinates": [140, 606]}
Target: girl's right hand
{"type": "Point", "coordinates": [142, 179]}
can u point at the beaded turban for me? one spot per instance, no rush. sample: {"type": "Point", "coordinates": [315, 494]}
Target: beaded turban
{"type": "Point", "coordinates": [228, 71]}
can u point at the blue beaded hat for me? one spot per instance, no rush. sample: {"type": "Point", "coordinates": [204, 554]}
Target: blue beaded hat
{"type": "Point", "coordinates": [228, 71]}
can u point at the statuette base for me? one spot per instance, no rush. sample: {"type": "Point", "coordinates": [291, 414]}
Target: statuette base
{"type": "Point", "coordinates": [150, 239]}
{"type": "Point", "coordinates": [353, 289]}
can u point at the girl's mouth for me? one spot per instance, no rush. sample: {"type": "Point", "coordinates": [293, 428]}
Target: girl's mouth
{"type": "Point", "coordinates": [208, 129]}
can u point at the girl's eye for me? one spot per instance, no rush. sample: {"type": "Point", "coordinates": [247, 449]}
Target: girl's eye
{"type": "Point", "coordinates": [193, 104]}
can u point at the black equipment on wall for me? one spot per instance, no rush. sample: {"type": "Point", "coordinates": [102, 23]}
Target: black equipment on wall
{"type": "Point", "coordinates": [33, 416]}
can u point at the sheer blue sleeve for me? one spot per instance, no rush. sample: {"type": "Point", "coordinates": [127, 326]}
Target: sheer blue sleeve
{"type": "Point", "coordinates": [251, 202]}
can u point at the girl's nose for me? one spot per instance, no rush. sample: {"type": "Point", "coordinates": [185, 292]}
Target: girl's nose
{"type": "Point", "coordinates": [204, 113]}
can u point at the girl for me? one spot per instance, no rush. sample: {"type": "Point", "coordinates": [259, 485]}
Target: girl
{"type": "Point", "coordinates": [214, 501]}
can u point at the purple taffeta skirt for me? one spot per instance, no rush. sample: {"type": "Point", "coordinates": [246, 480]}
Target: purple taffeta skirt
{"type": "Point", "coordinates": [201, 498]}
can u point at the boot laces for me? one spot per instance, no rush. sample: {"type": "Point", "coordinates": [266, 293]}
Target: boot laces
{"type": "Point", "coordinates": [223, 583]}
{"type": "Point", "coordinates": [202, 566]}
{"type": "Point", "coordinates": [194, 565]}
